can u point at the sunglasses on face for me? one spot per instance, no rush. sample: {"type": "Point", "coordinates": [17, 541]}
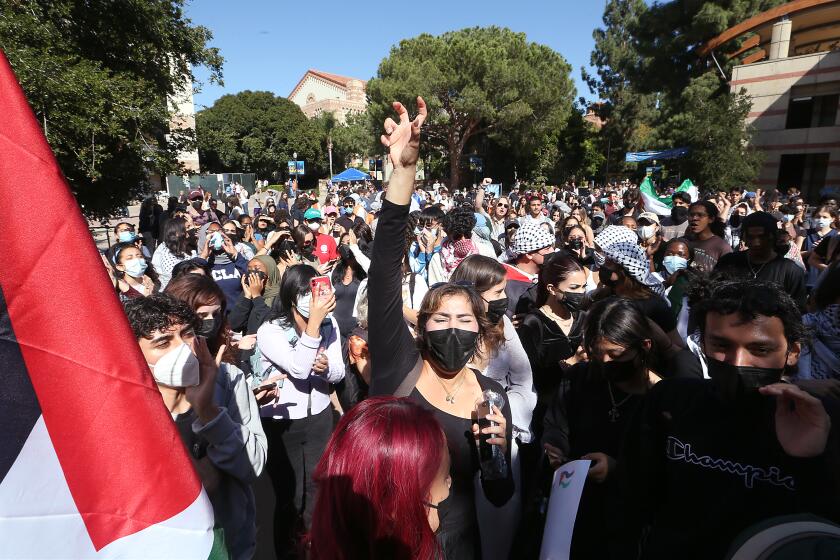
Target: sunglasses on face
{"type": "Point", "coordinates": [502, 205]}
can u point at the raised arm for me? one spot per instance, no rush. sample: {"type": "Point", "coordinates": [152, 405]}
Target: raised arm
{"type": "Point", "coordinates": [392, 348]}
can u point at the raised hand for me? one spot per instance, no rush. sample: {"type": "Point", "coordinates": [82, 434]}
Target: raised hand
{"type": "Point", "coordinates": [802, 424]}
{"type": "Point", "coordinates": [200, 397]}
{"type": "Point", "coordinates": [403, 138]}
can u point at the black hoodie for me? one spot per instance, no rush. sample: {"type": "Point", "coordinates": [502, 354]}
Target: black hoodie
{"type": "Point", "coordinates": [699, 472]}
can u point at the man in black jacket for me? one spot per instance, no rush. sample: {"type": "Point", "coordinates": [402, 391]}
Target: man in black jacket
{"type": "Point", "coordinates": [762, 261]}
{"type": "Point", "coordinates": [710, 458]}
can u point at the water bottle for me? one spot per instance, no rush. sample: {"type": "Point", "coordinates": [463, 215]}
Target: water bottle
{"type": "Point", "coordinates": [492, 459]}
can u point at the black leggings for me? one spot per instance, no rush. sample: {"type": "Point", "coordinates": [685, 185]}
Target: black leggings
{"type": "Point", "coordinates": [294, 448]}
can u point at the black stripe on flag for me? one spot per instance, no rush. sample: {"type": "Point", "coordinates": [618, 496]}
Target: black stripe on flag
{"type": "Point", "coordinates": [19, 409]}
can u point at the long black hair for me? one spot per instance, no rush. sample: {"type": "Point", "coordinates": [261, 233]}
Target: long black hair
{"type": "Point", "coordinates": [175, 236]}
{"type": "Point", "coordinates": [619, 321]}
{"type": "Point", "coordinates": [555, 269]}
{"type": "Point", "coordinates": [295, 283]}
{"type": "Point", "coordinates": [347, 260]}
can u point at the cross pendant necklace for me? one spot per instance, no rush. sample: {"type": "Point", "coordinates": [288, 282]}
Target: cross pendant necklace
{"type": "Point", "coordinates": [613, 413]}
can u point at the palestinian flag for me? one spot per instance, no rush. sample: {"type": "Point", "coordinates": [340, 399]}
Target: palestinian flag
{"type": "Point", "coordinates": [91, 464]}
{"type": "Point", "coordinates": [661, 205]}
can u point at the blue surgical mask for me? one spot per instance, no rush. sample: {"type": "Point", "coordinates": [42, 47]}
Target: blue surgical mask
{"type": "Point", "coordinates": [673, 263]}
{"type": "Point", "coordinates": [135, 267]}
{"type": "Point", "coordinates": [126, 236]}
{"type": "Point", "coordinates": [346, 211]}
{"type": "Point", "coordinates": [789, 217]}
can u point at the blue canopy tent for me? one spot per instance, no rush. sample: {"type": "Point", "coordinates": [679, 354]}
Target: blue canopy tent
{"type": "Point", "coordinates": [351, 174]}
{"type": "Point", "coordinates": [658, 154]}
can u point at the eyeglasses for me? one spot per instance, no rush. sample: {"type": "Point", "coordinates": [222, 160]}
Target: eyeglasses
{"type": "Point", "coordinates": [229, 231]}
{"type": "Point", "coordinates": [502, 205]}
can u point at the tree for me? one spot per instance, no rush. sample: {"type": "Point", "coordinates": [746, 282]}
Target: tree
{"type": "Point", "coordinates": [258, 132]}
{"type": "Point", "coordinates": [581, 154]}
{"type": "Point", "coordinates": [476, 81]}
{"type": "Point", "coordinates": [98, 75]}
{"type": "Point", "coordinates": [354, 138]}
{"type": "Point", "coordinates": [661, 94]}
{"type": "Point", "coordinates": [713, 126]}
{"type": "Point", "coordinates": [629, 114]}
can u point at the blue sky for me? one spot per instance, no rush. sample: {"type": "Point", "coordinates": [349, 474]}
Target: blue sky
{"type": "Point", "coordinates": [269, 45]}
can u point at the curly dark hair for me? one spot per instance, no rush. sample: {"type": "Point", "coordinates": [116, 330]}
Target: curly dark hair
{"type": "Point", "coordinates": [749, 299]}
{"type": "Point", "coordinates": [158, 312]}
{"type": "Point", "coordinates": [459, 222]}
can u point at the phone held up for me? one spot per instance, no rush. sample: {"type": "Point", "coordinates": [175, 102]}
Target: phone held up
{"type": "Point", "coordinates": [321, 287]}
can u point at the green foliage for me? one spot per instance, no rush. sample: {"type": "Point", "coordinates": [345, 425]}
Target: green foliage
{"type": "Point", "coordinates": [581, 151]}
{"type": "Point", "coordinates": [713, 125]}
{"type": "Point", "coordinates": [352, 139]}
{"type": "Point", "coordinates": [660, 93]}
{"type": "Point", "coordinates": [97, 74]}
{"type": "Point", "coordinates": [478, 81]}
{"type": "Point", "coordinates": [257, 132]}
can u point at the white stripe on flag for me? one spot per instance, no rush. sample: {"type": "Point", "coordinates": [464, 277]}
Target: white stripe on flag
{"type": "Point", "coordinates": [653, 204]}
{"type": "Point", "coordinates": [39, 519]}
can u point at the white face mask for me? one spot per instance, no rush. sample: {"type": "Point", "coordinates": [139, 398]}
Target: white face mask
{"type": "Point", "coordinates": [314, 226]}
{"type": "Point", "coordinates": [177, 368]}
{"type": "Point", "coordinates": [823, 222]}
{"type": "Point", "coordinates": [302, 304]}
{"type": "Point", "coordinates": [646, 232]}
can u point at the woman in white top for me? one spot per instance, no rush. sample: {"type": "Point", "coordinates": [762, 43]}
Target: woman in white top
{"type": "Point", "coordinates": [174, 249]}
{"type": "Point", "coordinates": [512, 369]}
{"type": "Point", "coordinates": [301, 359]}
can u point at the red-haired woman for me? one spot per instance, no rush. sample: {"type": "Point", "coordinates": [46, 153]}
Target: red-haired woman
{"type": "Point", "coordinates": [452, 328]}
{"type": "Point", "coordinates": [380, 479]}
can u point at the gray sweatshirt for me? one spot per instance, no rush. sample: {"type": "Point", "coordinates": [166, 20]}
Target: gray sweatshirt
{"type": "Point", "coordinates": [512, 369]}
{"type": "Point", "coordinates": [235, 444]}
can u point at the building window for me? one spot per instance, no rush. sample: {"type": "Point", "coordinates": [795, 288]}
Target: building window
{"type": "Point", "coordinates": [806, 171]}
{"type": "Point", "coordinates": [812, 111]}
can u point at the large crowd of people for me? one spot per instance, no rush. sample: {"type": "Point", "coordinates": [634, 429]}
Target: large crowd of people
{"type": "Point", "coordinates": [409, 366]}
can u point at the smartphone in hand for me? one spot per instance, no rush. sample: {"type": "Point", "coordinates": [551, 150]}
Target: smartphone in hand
{"type": "Point", "coordinates": [321, 287]}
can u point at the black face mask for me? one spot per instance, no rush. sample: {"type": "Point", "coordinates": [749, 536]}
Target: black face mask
{"type": "Point", "coordinates": [209, 327]}
{"type": "Point", "coordinates": [307, 250]}
{"type": "Point", "coordinates": [573, 300]}
{"type": "Point", "coordinates": [496, 309]}
{"type": "Point", "coordinates": [740, 384]}
{"type": "Point", "coordinates": [575, 244]}
{"type": "Point", "coordinates": [606, 279]}
{"type": "Point", "coordinates": [735, 220]}
{"type": "Point", "coordinates": [451, 348]}
{"type": "Point", "coordinates": [616, 372]}
{"type": "Point", "coordinates": [345, 253]}
{"type": "Point", "coordinates": [679, 214]}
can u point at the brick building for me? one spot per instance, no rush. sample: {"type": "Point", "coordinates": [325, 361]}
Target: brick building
{"type": "Point", "coordinates": [790, 67]}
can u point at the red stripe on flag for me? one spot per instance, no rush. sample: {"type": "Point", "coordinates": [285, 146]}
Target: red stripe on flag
{"type": "Point", "coordinates": [513, 273]}
{"type": "Point", "coordinates": [118, 447]}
